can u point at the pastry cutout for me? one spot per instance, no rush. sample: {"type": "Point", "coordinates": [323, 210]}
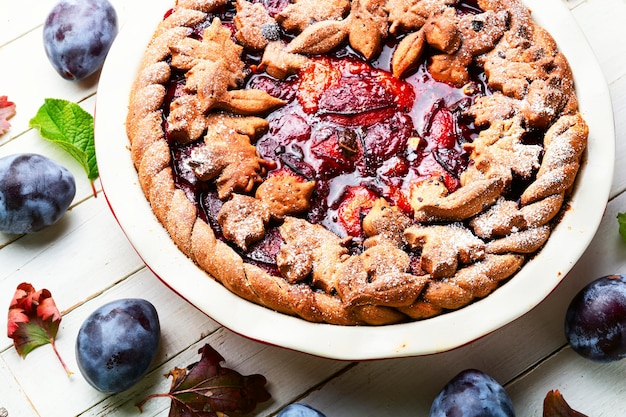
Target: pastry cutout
{"type": "Point", "coordinates": [231, 99]}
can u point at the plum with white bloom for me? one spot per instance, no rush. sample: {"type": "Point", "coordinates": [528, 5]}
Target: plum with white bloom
{"type": "Point", "coordinates": [595, 321]}
{"type": "Point", "coordinates": [472, 393]}
{"type": "Point", "coordinates": [77, 36]}
{"type": "Point", "coordinates": [299, 410]}
{"type": "Point", "coordinates": [35, 192]}
{"type": "Point", "coordinates": [117, 343]}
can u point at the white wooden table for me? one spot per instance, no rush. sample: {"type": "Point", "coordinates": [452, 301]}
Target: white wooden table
{"type": "Point", "coordinates": [86, 260]}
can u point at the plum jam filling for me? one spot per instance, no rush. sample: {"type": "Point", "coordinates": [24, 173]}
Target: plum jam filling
{"type": "Point", "coordinates": [361, 134]}
{"type": "Point", "coordinates": [353, 128]}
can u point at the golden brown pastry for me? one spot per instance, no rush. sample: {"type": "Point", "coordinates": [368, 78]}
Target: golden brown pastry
{"type": "Point", "coordinates": [410, 243]}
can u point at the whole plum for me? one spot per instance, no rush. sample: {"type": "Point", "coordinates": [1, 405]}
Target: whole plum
{"type": "Point", "coordinates": [117, 343]}
{"type": "Point", "coordinates": [595, 321]}
{"type": "Point", "coordinates": [299, 410]}
{"type": "Point", "coordinates": [77, 36]}
{"type": "Point", "coordinates": [35, 192]}
{"type": "Point", "coordinates": [472, 393]}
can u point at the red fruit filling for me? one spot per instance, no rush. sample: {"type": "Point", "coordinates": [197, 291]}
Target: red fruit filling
{"type": "Point", "coordinates": [356, 130]}
{"type": "Point", "coordinates": [354, 205]}
{"type": "Point", "coordinates": [349, 125]}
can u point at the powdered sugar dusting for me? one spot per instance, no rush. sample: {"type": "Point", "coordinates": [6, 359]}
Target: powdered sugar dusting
{"type": "Point", "coordinates": [474, 250]}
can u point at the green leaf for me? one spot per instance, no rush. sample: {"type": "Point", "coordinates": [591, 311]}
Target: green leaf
{"type": "Point", "coordinates": [621, 219]}
{"type": "Point", "coordinates": [70, 127]}
{"type": "Point", "coordinates": [30, 336]}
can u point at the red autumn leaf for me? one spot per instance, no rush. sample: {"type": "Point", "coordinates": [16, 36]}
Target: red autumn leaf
{"type": "Point", "coordinates": [7, 110]}
{"type": "Point", "coordinates": [206, 389]}
{"type": "Point", "coordinates": [554, 405]}
{"type": "Point", "coordinates": [33, 320]}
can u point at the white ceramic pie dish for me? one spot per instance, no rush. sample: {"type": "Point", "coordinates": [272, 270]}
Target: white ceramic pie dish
{"type": "Point", "coordinates": [525, 290]}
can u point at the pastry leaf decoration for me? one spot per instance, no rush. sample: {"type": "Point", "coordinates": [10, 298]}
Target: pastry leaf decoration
{"type": "Point", "coordinates": [206, 389]}
{"type": "Point", "coordinates": [7, 110]}
{"type": "Point", "coordinates": [33, 320]}
{"type": "Point", "coordinates": [70, 127]}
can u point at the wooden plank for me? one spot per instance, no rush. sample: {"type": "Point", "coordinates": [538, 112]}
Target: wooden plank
{"type": "Point", "coordinates": [31, 141]}
{"type": "Point", "coordinates": [20, 17]}
{"type": "Point", "coordinates": [288, 373]}
{"type": "Point", "coordinates": [77, 258]}
{"type": "Point", "coordinates": [618, 97]}
{"type": "Point", "coordinates": [594, 17]}
{"type": "Point", "coordinates": [178, 331]}
{"type": "Point", "coordinates": [572, 3]}
{"type": "Point", "coordinates": [38, 78]}
{"type": "Point", "coordinates": [13, 399]}
{"type": "Point", "coordinates": [103, 262]}
{"type": "Point", "coordinates": [594, 389]}
{"type": "Point", "coordinates": [376, 388]}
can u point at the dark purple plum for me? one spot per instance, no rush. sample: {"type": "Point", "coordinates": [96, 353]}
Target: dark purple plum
{"type": "Point", "coordinates": [299, 410]}
{"type": "Point", "coordinates": [35, 192]}
{"type": "Point", "coordinates": [77, 36]}
{"type": "Point", "coordinates": [595, 321]}
{"type": "Point", "coordinates": [117, 343]}
{"type": "Point", "coordinates": [472, 393]}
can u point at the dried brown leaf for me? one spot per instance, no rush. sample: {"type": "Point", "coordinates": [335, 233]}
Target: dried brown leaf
{"type": "Point", "coordinates": [554, 405]}
{"type": "Point", "coordinates": [206, 389]}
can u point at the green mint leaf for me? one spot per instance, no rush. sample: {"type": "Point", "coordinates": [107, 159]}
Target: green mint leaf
{"type": "Point", "coordinates": [70, 127]}
{"type": "Point", "coordinates": [621, 219]}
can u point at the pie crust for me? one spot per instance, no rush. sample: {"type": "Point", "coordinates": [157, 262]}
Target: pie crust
{"type": "Point", "coordinates": [457, 245]}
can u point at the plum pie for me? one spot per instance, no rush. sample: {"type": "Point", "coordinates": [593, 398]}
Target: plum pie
{"type": "Point", "coordinates": [356, 162]}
